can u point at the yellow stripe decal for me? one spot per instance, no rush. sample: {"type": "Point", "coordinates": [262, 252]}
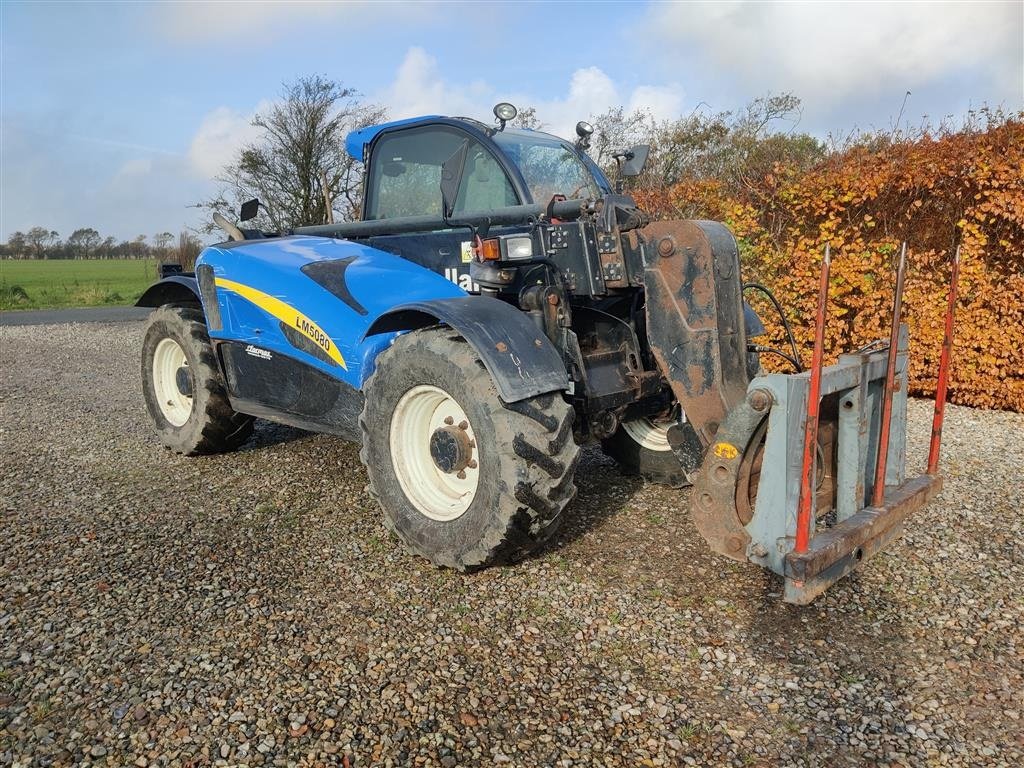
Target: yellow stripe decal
{"type": "Point", "coordinates": [287, 315]}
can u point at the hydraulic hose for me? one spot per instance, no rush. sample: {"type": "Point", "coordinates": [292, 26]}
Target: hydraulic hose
{"type": "Point", "coordinates": [761, 349]}
{"type": "Point", "coordinates": [795, 359]}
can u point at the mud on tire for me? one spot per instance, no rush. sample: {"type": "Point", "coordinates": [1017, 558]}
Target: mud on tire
{"type": "Point", "coordinates": [526, 453]}
{"type": "Point", "coordinates": [211, 426]}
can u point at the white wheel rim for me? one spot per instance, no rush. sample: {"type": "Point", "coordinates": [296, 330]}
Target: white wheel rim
{"type": "Point", "coordinates": [167, 359]}
{"type": "Point", "coordinates": [653, 437]}
{"type": "Point", "coordinates": [439, 495]}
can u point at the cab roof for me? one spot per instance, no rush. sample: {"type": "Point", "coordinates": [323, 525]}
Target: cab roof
{"type": "Point", "coordinates": [356, 141]}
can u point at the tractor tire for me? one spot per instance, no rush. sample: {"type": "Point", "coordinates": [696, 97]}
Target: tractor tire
{"type": "Point", "coordinates": [640, 447]}
{"type": "Point", "coordinates": [182, 386]}
{"type": "Point", "coordinates": [463, 478]}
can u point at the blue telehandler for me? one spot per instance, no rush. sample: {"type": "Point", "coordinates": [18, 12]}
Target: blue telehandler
{"type": "Point", "coordinates": [500, 303]}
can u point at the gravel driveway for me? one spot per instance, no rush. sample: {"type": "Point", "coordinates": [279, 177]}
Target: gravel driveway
{"type": "Point", "coordinates": [250, 609]}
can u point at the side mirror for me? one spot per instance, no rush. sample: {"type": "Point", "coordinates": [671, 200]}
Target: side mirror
{"type": "Point", "coordinates": [636, 159]}
{"type": "Point", "coordinates": [451, 179]}
{"type": "Point", "coordinates": [249, 210]}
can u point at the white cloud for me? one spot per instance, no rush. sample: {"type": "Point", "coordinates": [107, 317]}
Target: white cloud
{"type": "Point", "coordinates": [592, 92]}
{"type": "Point", "coordinates": [662, 102]}
{"type": "Point", "coordinates": [419, 89]}
{"type": "Point", "coordinates": [227, 22]}
{"type": "Point", "coordinates": [220, 135]}
{"type": "Point", "coordinates": [829, 51]}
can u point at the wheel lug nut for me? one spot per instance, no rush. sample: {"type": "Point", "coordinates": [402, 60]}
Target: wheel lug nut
{"type": "Point", "coordinates": [463, 425]}
{"type": "Point", "coordinates": [449, 420]}
{"type": "Point", "coordinates": [471, 463]}
{"type": "Point", "coordinates": [461, 475]}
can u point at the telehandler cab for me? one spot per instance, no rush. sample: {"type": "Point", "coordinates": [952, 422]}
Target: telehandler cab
{"type": "Point", "coordinates": [501, 303]}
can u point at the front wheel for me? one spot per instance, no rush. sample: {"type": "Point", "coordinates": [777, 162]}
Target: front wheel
{"type": "Point", "coordinates": [182, 386]}
{"type": "Point", "coordinates": [641, 447]}
{"type": "Point", "coordinates": [463, 478]}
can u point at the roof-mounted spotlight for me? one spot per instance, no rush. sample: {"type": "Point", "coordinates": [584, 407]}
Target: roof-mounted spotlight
{"type": "Point", "coordinates": [584, 130]}
{"type": "Point", "coordinates": [504, 112]}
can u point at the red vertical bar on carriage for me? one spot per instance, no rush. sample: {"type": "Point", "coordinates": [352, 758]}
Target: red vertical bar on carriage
{"type": "Point", "coordinates": [878, 493]}
{"type": "Point", "coordinates": [804, 509]}
{"type": "Point", "coordinates": [943, 382]}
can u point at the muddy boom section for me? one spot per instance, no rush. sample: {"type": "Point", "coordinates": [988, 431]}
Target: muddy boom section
{"type": "Point", "coordinates": [804, 474]}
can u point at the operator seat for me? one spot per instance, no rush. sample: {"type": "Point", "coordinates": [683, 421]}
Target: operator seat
{"type": "Point", "coordinates": [486, 186]}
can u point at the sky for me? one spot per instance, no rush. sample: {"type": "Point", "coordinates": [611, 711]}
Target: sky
{"type": "Point", "coordinates": [118, 116]}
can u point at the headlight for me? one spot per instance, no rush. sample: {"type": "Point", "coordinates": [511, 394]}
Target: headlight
{"type": "Point", "coordinates": [506, 248]}
{"type": "Point", "coordinates": [516, 248]}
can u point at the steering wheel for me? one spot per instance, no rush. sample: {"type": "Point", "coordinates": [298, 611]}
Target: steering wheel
{"type": "Point", "coordinates": [233, 232]}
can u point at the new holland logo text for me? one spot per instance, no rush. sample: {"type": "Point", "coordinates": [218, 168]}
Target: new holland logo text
{"type": "Point", "coordinates": [464, 281]}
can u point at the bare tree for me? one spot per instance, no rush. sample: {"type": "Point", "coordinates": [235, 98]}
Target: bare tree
{"type": "Point", "coordinates": [189, 247]}
{"type": "Point", "coordinates": [16, 245]}
{"type": "Point", "coordinates": [107, 248]}
{"type": "Point", "coordinates": [302, 143]}
{"type": "Point", "coordinates": [616, 129]}
{"type": "Point", "coordinates": [83, 241]}
{"type": "Point", "coordinates": [39, 239]}
{"type": "Point", "coordinates": [139, 249]}
{"type": "Point", "coordinates": [162, 240]}
{"type": "Point", "coordinates": [527, 118]}
{"type": "Point", "coordinates": [732, 148]}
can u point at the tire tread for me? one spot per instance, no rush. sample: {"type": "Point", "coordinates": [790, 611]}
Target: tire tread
{"type": "Point", "coordinates": [538, 470]}
{"type": "Point", "coordinates": [216, 427]}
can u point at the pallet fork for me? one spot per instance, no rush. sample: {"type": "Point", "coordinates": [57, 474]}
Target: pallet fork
{"type": "Point", "coordinates": [807, 475]}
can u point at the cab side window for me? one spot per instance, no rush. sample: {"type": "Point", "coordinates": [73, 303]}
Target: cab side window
{"type": "Point", "coordinates": [405, 175]}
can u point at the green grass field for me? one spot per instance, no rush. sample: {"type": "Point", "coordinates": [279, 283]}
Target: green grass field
{"type": "Point", "coordinates": [73, 283]}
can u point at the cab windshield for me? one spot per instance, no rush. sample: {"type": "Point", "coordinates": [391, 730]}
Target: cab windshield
{"type": "Point", "coordinates": [549, 166]}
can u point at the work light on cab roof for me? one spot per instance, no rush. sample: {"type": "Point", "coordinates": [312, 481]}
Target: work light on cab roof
{"type": "Point", "coordinates": [505, 112]}
{"type": "Point", "coordinates": [584, 131]}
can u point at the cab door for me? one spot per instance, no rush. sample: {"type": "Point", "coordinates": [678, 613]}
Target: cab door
{"type": "Point", "coordinates": [404, 179]}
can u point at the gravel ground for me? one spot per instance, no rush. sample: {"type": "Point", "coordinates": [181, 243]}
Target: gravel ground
{"type": "Point", "coordinates": [250, 609]}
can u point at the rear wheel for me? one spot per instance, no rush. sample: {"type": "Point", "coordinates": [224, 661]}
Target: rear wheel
{"type": "Point", "coordinates": [641, 447]}
{"type": "Point", "coordinates": [463, 478]}
{"type": "Point", "coordinates": [182, 386]}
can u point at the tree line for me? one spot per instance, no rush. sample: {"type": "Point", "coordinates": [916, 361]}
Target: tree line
{"type": "Point", "coordinates": [87, 243]}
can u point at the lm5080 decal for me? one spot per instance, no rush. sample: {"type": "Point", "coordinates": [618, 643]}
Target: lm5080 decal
{"type": "Point", "coordinates": [291, 319]}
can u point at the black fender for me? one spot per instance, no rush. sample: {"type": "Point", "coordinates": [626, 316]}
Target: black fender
{"type": "Point", "coordinates": [176, 289]}
{"type": "Point", "coordinates": [522, 361]}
